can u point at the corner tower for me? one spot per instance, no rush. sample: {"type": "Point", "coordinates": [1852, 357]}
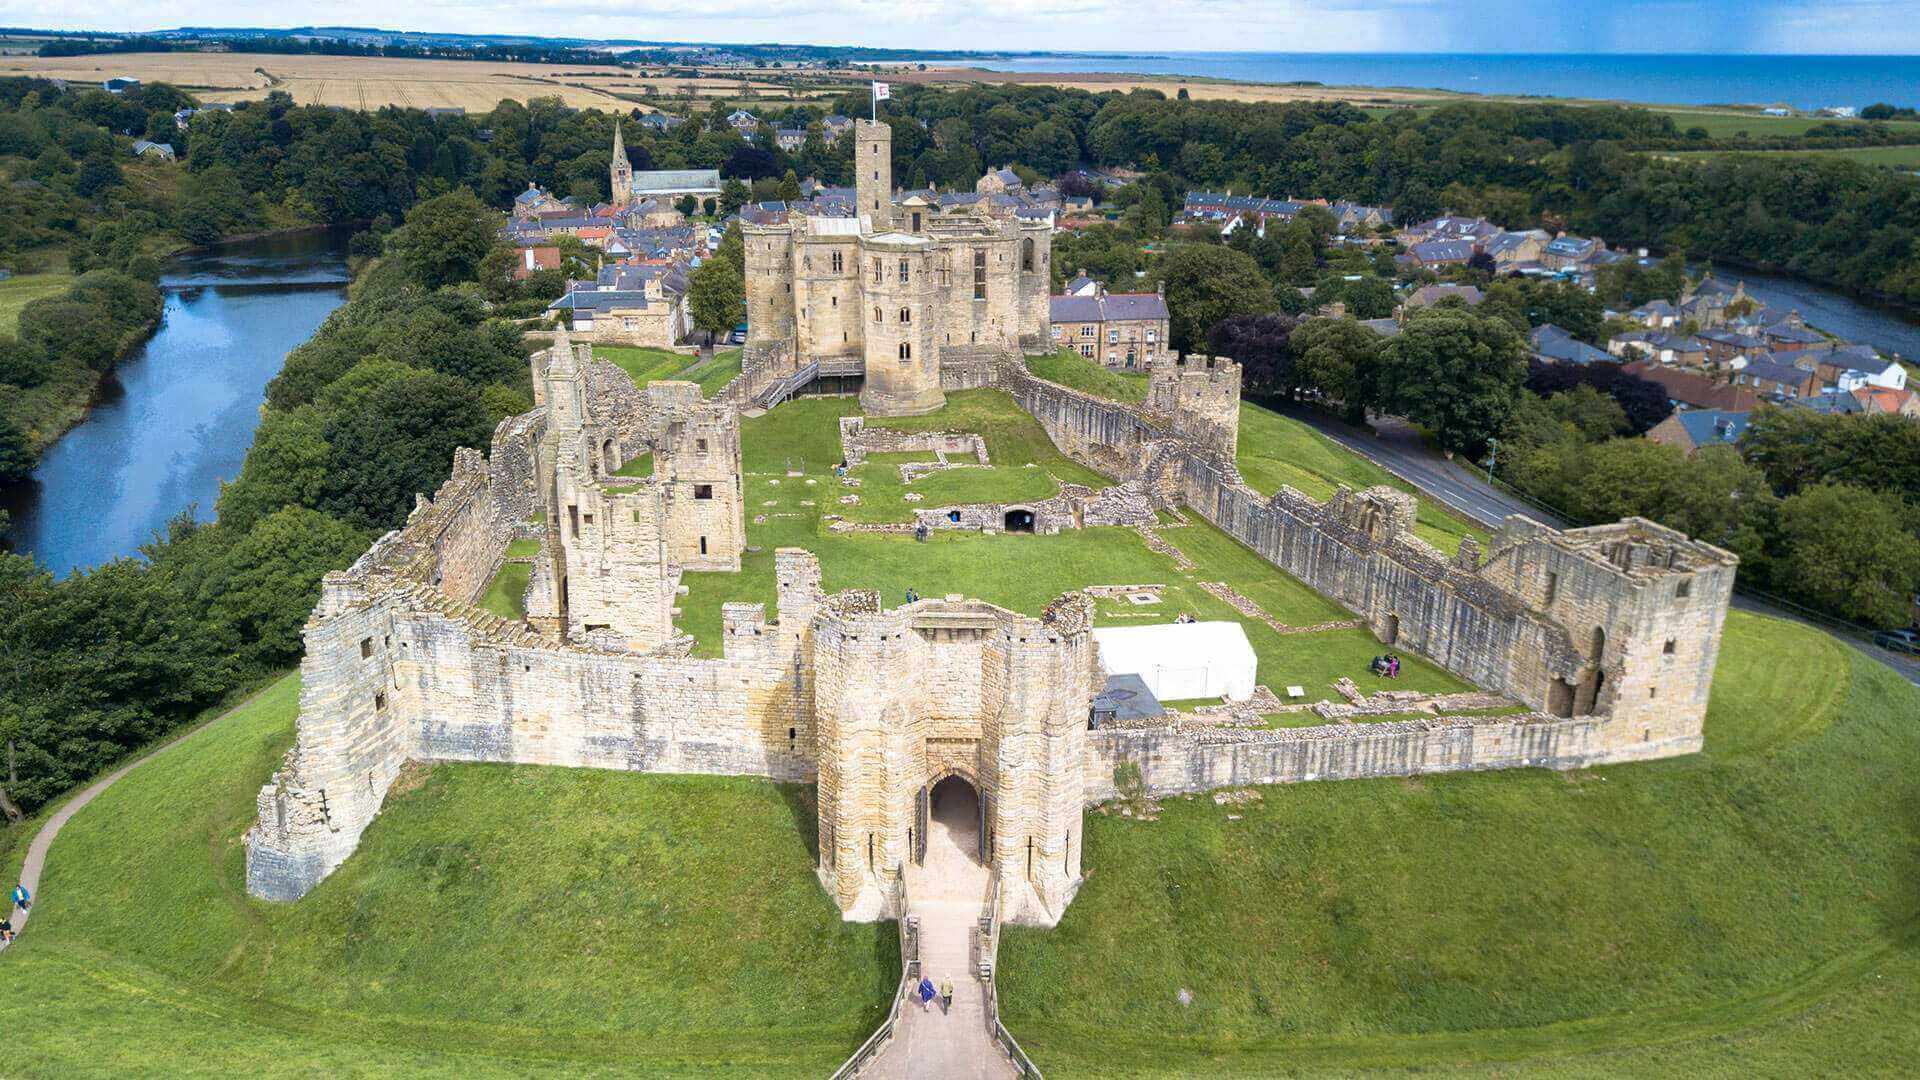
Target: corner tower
{"type": "Point", "coordinates": [873, 174]}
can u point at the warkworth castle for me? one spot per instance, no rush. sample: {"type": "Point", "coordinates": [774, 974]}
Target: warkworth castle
{"type": "Point", "coordinates": [1600, 641]}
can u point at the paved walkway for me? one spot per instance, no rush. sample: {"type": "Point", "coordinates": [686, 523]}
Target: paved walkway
{"type": "Point", "coordinates": [37, 851]}
{"type": "Point", "coordinates": [948, 894]}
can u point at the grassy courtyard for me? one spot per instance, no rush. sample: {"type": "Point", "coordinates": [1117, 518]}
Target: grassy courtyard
{"type": "Point", "coordinates": [457, 940]}
{"type": "Point", "coordinates": [648, 364]}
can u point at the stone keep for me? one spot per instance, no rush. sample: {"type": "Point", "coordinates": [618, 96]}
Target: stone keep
{"type": "Point", "coordinates": [913, 299]}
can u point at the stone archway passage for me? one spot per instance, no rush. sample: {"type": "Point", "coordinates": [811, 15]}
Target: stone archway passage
{"type": "Point", "coordinates": [953, 867]}
{"type": "Point", "coordinates": [1019, 520]}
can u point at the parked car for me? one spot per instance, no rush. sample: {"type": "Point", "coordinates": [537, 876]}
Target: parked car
{"type": "Point", "coordinates": [739, 335]}
{"type": "Point", "coordinates": [1900, 641]}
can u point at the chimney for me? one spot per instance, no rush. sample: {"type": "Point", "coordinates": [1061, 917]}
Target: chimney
{"type": "Point", "coordinates": [1161, 288]}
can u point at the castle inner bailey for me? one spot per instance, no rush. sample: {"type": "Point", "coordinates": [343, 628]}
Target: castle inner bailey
{"type": "Point", "coordinates": [1608, 635]}
{"type": "Point", "coordinates": [913, 299]}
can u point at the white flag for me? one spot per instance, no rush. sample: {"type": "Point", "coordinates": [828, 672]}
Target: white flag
{"type": "Point", "coordinates": [881, 92]}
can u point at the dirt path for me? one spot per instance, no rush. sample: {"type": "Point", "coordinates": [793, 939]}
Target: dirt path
{"type": "Point", "coordinates": [50, 831]}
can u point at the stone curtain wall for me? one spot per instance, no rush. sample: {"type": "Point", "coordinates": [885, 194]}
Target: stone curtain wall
{"type": "Point", "coordinates": [1175, 762]}
{"type": "Point", "coordinates": [1657, 621]}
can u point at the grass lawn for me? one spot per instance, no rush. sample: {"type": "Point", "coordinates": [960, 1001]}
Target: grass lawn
{"type": "Point", "coordinates": [1069, 368]}
{"type": "Point", "coordinates": [668, 920]}
{"type": "Point", "coordinates": [1276, 450]}
{"type": "Point", "coordinates": [647, 364]}
{"type": "Point", "coordinates": [18, 291]}
{"type": "Point", "coordinates": [507, 595]}
{"type": "Point", "coordinates": [638, 465]}
{"type": "Point", "coordinates": [1725, 124]}
{"type": "Point", "coordinates": [1742, 904]}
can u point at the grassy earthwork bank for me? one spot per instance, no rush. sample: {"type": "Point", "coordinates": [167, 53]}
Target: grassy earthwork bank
{"type": "Point", "coordinates": [648, 364]}
{"type": "Point", "coordinates": [1750, 910]}
{"type": "Point", "coordinates": [670, 921]}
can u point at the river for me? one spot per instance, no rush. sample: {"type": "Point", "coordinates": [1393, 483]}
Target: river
{"type": "Point", "coordinates": [1884, 328]}
{"type": "Point", "coordinates": [177, 417]}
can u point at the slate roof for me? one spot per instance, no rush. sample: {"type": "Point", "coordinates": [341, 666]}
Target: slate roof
{"type": "Point", "coordinates": [1383, 327]}
{"type": "Point", "coordinates": [1432, 251]}
{"type": "Point", "coordinates": [1836, 403]}
{"type": "Point", "coordinates": [1707, 426]}
{"type": "Point", "coordinates": [677, 180]}
{"type": "Point", "coordinates": [1553, 343]}
{"type": "Point", "coordinates": [1110, 307]}
{"type": "Point", "coordinates": [1571, 247]}
{"type": "Point", "coordinates": [1428, 295]}
{"type": "Point", "coordinates": [1797, 335]}
{"type": "Point", "coordinates": [1773, 371]}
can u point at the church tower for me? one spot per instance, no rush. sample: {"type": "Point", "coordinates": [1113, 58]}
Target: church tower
{"type": "Point", "coordinates": [622, 169]}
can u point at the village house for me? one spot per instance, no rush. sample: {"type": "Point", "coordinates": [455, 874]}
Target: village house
{"type": "Point", "coordinates": [1081, 285]}
{"type": "Point", "coordinates": [535, 201]}
{"type": "Point", "coordinates": [630, 304]}
{"type": "Point", "coordinates": [1693, 390]}
{"type": "Point", "coordinates": [1694, 428]}
{"type": "Point", "coordinates": [1514, 250]}
{"type": "Point", "coordinates": [1877, 400]}
{"type": "Point", "coordinates": [534, 259]}
{"type": "Point", "coordinates": [148, 148]}
{"type": "Point", "coordinates": [744, 122]}
{"type": "Point", "coordinates": [1773, 378]}
{"type": "Point", "coordinates": [1428, 254]}
{"type": "Point", "coordinates": [1552, 345]}
{"type": "Point", "coordinates": [1832, 403]}
{"type": "Point", "coordinates": [1725, 345]}
{"type": "Point", "coordinates": [1127, 331]}
{"type": "Point", "coordinates": [1565, 252]}
{"type": "Point", "coordinates": [1473, 230]}
{"type": "Point", "coordinates": [998, 181]}
{"type": "Point", "coordinates": [790, 139]}
{"type": "Point", "coordinates": [1428, 295]}
{"type": "Point", "coordinates": [833, 127]}
{"type": "Point", "coordinates": [661, 122]}
{"type": "Point", "coordinates": [1656, 315]}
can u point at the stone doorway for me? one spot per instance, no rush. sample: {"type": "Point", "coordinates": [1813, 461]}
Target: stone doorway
{"type": "Point", "coordinates": [1019, 520]}
{"type": "Point", "coordinates": [953, 843]}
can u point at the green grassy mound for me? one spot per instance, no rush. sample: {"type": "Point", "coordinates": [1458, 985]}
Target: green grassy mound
{"type": "Point", "coordinates": [647, 364]}
{"type": "Point", "coordinates": [1069, 368]}
{"type": "Point", "coordinates": [1521, 917]}
{"type": "Point", "coordinates": [495, 920]}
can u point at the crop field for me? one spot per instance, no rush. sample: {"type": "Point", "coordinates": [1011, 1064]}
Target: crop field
{"type": "Point", "coordinates": [1893, 157]}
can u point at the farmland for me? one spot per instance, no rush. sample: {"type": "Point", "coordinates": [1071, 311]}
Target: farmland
{"type": "Point", "coordinates": [356, 82]}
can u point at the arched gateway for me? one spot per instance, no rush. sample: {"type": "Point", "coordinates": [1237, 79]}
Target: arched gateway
{"type": "Point", "coordinates": [943, 708]}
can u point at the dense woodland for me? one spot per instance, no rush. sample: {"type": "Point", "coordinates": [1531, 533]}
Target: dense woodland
{"type": "Point", "coordinates": [420, 361]}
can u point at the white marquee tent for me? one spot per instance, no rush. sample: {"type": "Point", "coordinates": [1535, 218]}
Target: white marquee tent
{"type": "Point", "coordinates": [1179, 661]}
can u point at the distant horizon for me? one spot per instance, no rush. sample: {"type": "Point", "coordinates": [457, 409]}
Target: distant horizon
{"type": "Point", "coordinates": [1760, 28]}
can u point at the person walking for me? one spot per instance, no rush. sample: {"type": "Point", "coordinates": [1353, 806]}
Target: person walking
{"type": "Point", "coordinates": [926, 993]}
{"type": "Point", "coordinates": [6, 931]}
{"type": "Point", "coordinates": [946, 996]}
{"type": "Point", "coordinates": [21, 899]}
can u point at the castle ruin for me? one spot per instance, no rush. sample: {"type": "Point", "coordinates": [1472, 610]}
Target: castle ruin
{"type": "Point", "coordinates": [1608, 635]}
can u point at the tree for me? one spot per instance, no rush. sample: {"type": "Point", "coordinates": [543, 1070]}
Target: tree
{"type": "Point", "coordinates": [1261, 345]}
{"type": "Point", "coordinates": [1644, 402]}
{"type": "Point", "coordinates": [286, 466]}
{"type": "Point", "coordinates": [1454, 372]}
{"type": "Point", "coordinates": [261, 593]}
{"type": "Point", "coordinates": [714, 295]}
{"type": "Point", "coordinates": [1337, 358]}
{"type": "Point", "coordinates": [1850, 551]}
{"type": "Point", "coordinates": [22, 363]}
{"type": "Point", "coordinates": [398, 445]}
{"type": "Point", "coordinates": [734, 194]}
{"type": "Point", "coordinates": [16, 454]}
{"type": "Point", "coordinates": [444, 239]}
{"type": "Point", "coordinates": [1206, 283]}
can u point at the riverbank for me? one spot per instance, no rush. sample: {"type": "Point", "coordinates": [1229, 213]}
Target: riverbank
{"type": "Point", "coordinates": [174, 422]}
{"type": "Point", "coordinates": [70, 393]}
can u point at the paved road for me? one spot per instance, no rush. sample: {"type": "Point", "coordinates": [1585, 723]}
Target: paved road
{"type": "Point", "coordinates": [1398, 448]}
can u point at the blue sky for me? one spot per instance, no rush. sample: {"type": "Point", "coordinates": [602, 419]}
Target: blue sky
{"type": "Point", "coordinates": [1712, 26]}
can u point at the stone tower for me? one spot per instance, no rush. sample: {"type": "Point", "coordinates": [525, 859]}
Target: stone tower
{"type": "Point", "coordinates": [873, 175]}
{"type": "Point", "coordinates": [622, 169]}
{"type": "Point", "coordinates": [902, 362]}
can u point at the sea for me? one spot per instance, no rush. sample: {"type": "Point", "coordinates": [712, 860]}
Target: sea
{"type": "Point", "coordinates": [1803, 82]}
